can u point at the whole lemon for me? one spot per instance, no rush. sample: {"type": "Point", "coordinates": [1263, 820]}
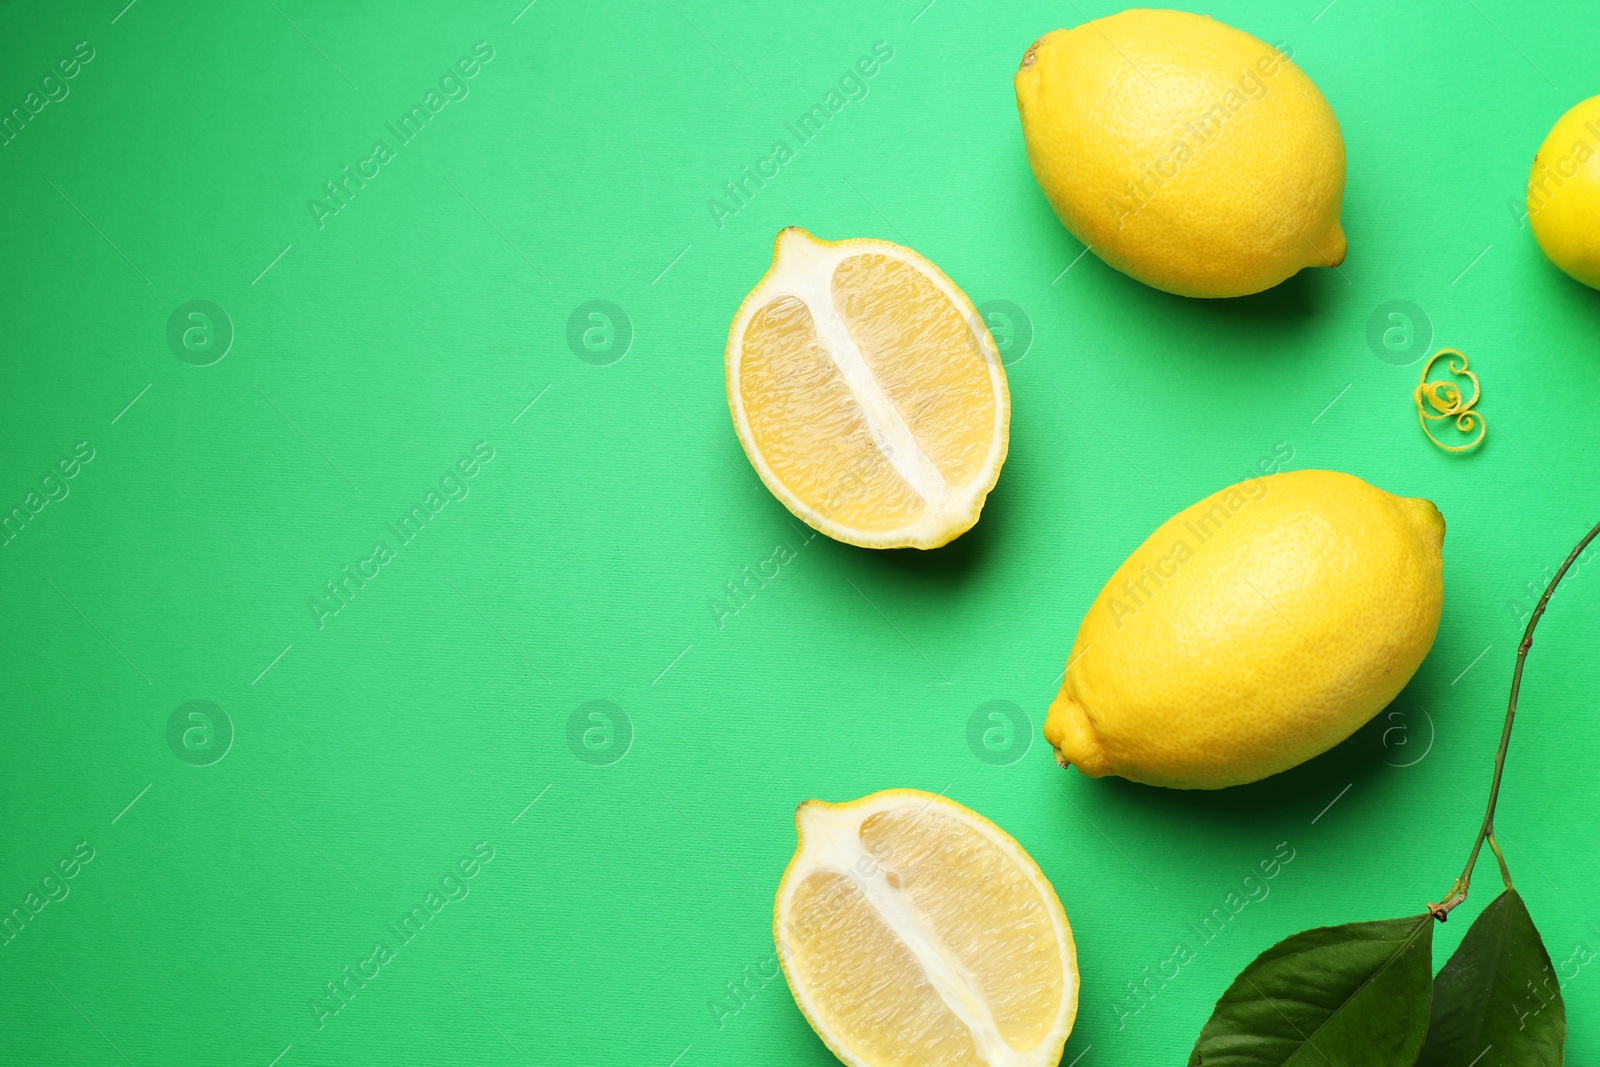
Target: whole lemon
{"type": "Point", "coordinates": [1564, 193]}
{"type": "Point", "coordinates": [1252, 631]}
{"type": "Point", "coordinates": [1186, 153]}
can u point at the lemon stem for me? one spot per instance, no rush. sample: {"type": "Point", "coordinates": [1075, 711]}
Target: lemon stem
{"type": "Point", "coordinates": [1500, 858]}
{"type": "Point", "coordinates": [1458, 891]}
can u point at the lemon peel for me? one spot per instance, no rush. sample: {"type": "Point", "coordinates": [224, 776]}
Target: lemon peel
{"type": "Point", "coordinates": [1445, 398]}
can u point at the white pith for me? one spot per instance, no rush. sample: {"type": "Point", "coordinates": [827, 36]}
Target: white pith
{"type": "Point", "coordinates": [830, 841]}
{"type": "Point", "coordinates": [803, 267]}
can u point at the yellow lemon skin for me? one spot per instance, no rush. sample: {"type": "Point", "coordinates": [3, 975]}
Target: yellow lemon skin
{"type": "Point", "coordinates": [1251, 632]}
{"type": "Point", "coordinates": [1186, 153]}
{"type": "Point", "coordinates": [1564, 193]}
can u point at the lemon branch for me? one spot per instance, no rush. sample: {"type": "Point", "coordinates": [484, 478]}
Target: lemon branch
{"type": "Point", "coordinates": [1458, 891]}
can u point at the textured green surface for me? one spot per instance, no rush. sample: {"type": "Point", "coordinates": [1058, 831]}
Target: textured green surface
{"type": "Point", "coordinates": [372, 755]}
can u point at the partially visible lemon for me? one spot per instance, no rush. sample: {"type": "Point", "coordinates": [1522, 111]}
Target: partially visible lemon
{"type": "Point", "coordinates": [867, 392]}
{"type": "Point", "coordinates": [1252, 631]}
{"type": "Point", "coordinates": [914, 931]}
{"type": "Point", "coordinates": [1184, 152]}
{"type": "Point", "coordinates": [1564, 193]}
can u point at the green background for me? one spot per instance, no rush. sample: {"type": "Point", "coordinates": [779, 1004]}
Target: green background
{"type": "Point", "coordinates": [370, 755]}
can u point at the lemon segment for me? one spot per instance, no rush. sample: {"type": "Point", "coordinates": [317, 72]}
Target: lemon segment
{"type": "Point", "coordinates": [852, 984]}
{"type": "Point", "coordinates": [867, 392]}
{"type": "Point", "coordinates": [920, 347]}
{"type": "Point", "coordinates": [914, 931]}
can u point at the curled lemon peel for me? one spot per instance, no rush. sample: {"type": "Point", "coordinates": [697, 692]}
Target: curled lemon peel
{"type": "Point", "coordinates": [1445, 398]}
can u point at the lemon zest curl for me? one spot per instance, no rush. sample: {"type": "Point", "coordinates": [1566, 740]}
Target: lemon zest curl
{"type": "Point", "coordinates": [1445, 398]}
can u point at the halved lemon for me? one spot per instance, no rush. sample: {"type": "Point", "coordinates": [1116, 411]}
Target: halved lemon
{"type": "Point", "coordinates": [913, 931]}
{"type": "Point", "coordinates": [867, 392]}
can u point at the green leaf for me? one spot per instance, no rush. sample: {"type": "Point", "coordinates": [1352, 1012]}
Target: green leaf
{"type": "Point", "coordinates": [1497, 1003]}
{"type": "Point", "coordinates": [1339, 996]}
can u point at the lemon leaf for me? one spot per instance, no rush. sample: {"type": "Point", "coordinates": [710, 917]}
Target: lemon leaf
{"type": "Point", "coordinates": [1497, 1002]}
{"type": "Point", "coordinates": [1338, 996]}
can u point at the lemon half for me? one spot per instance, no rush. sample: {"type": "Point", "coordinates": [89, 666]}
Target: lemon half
{"type": "Point", "coordinates": [867, 392]}
{"type": "Point", "coordinates": [912, 931]}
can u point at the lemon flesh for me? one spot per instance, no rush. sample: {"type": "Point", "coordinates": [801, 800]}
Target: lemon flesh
{"type": "Point", "coordinates": [867, 392]}
{"type": "Point", "coordinates": [914, 931]}
{"type": "Point", "coordinates": [1564, 193]}
{"type": "Point", "coordinates": [1251, 632]}
{"type": "Point", "coordinates": [1185, 153]}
